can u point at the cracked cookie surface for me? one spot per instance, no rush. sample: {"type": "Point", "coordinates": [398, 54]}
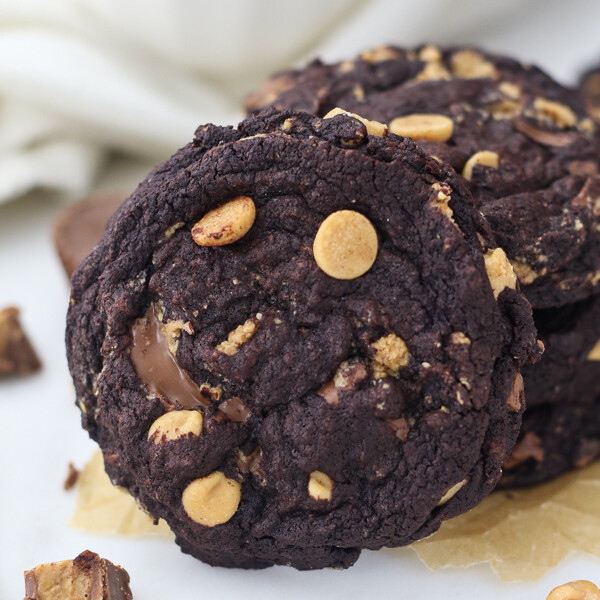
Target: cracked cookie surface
{"type": "Point", "coordinates": [336, 414]}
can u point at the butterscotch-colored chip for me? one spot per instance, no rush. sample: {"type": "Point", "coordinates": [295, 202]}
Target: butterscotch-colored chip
{"type": "Point", "coordinates": [499, 271]}
{"type": "Point", "coordinates": [392, 354]}
{"type": "Point", "coordinates": [467, 64]}
{"type": "Point", "coordinates": [225, 224]}
{"type": "Point", "coordinates": [238, 337]}
{"type": "Point", "coordinates": [434, 71]}
{"type": "Point", "coordinates": [320, 486]}
{"type": "Point", "coordinates": [486, 158]}
{"type": "Point", "coordinates": [346, 244]}
{"type": "Point", "coordinates": [211, 500]}
{"type": "Point", "coordinates": [430, 54]}
{"type": "Point", "coordinates": [174, 425]}
{"type": "Point", "coordinates": [594, 352]}
{"type": "Point", "coordinates": [510, 89]}
{"type": "Point", "coordinates": [373, 127]}
{"type": "Point", "coordinates": [458, 337]}
{"type": "Point", "coordinates": [433, 128]}
{"type": "Point", "coordinates": [525, 273]}
{"type": "Point", "coordinates": [561, 114]}
{"type": "Point", "coordinates": [452, 492]}
{"type": "Point", "coordinates": [575, 590]}
{"type": "Point", "coordinates": [380, 54]}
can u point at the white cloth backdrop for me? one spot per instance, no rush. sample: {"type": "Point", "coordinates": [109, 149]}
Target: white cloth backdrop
{"type": "Point", "coordinates": [80, 79]}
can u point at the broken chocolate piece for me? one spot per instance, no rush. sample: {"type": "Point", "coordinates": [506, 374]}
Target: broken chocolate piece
{"type": "Point", "coordinates": [87, 576]}
{"type": "Point", "coordinates": [17, 356]}
{"type": "Point", "coordinates": [72, 477]}
{"type": "Point", "coordinates": [81, 226]}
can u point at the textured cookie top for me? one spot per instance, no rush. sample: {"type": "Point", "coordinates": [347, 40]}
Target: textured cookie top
{"type": "Point", "coordinates": [524, 142]}
{"type": "Point", "coordinates": [294, 342]}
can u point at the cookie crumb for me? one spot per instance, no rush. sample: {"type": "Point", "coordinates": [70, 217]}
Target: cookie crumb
{"type": "Point", "coordinates": [72, 477]}
{"type": "Point", "coordinates": [238, 337]}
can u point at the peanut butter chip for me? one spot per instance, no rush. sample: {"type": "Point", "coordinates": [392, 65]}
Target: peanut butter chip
{"type": "Point", "coordinates": [452, 492]}
{"type": "Point", "coordinates": [174, 425]}
{"type": "Point", "coordinates": [434, 71]}
{"type": "Point", "coordinates": [499, 271]}
{"type": "Point", "coordinates": [379, 54]}
{"type": "Point", "coordinates": [373, 127]}
{"type": "Point", "coordinates": [430, 54]}
{"type": "Point", "coordinates": [345, 246]}
{"type": "Point", "coordinates": [485, 158]}
{"type": "Point", "coordinates": [594, 352]}
{"type": "Point", "coordinates": [575, 590]}
{"type": "Point", "coordinates": [561, 114]}
{"type": "Point", "coordinates": [320, 486]}
{"type": "Point", "coordinates": [225, 224]}
{"type": "Point", "coordinates": [467, 64]}
{"type": "Point", "coordinates": [211, 500]}
{"type": "Point", "coordinates": [433, 128]}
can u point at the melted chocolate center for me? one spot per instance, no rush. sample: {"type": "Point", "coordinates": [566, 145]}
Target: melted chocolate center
{"type": "Point", "coordinates": [157, 367]}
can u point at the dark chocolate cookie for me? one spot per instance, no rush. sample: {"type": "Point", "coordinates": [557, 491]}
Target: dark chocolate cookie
{"type": "Point", "coordinates": [80, 227]}
{"type": "Point", "coordinates": [524, 142]}
{"type": "Point", "coordinates": [294, 341]}
{"type": "Point", "coordinates": [561, 425]}
{"type": "Point", "coordinates": [555, 437]}
{"type": "Point", "coordinates": [571, 337]}
{"type": "Point", "coordinates": [590, 88]}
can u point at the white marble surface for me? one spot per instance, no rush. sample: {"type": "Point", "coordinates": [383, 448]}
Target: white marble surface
{"type": "Point", "coordinates": [39, 424]}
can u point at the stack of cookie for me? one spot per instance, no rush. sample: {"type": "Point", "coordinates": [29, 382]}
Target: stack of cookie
{"type": "Point", "coordinates": [530, 154]}
{"type": "Point", "coordinates": [590, 88]}
{"type": "Point", "coordinates": [304, 336]}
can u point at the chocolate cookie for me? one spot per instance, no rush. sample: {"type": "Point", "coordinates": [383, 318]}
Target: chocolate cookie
{"type": "Point", "coordinates": [295, 341]}
{"type": "Point", "coordinates": [561, 425]}
{"type": "Point", "coordinates": [555, 437]}
{"type": "Point", "coordinates": [80, 227]}
{"type": "Point", "coordinates": [571, 337]}
{"type": "Point", "coordinates": [524, 143]}
{"type": "Point", "coordinates": [590, 87]}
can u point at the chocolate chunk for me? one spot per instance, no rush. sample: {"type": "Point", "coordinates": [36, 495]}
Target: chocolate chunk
{"type": "Point", "coordinates": [157, 367]}
{"type": "Point", "coordinates": [86, 577]}
{"type": "Point", "coordinates": [79, 227]}
{"type": "Point", "coordinates": [17, 356]}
